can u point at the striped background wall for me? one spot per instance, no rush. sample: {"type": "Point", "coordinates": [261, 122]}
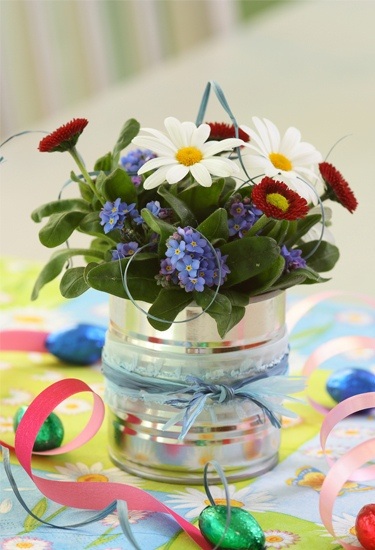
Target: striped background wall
{"type": "Point", "coordinates": [57, 52]}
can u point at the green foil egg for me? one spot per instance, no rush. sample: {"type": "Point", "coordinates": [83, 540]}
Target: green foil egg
{"type": "Point", "coordinates": [50, 435]}
{"type": "Point", "coordinates": [244, 532]}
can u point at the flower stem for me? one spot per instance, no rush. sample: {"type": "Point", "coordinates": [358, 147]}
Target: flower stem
{"type": "Point", "coordinates": [258, 226]}
{"type": "Point", "coordinates": [76, 156]}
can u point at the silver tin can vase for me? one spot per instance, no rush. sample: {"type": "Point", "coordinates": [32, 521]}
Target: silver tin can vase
{"type": "Point", "coordinates": [146, 375]}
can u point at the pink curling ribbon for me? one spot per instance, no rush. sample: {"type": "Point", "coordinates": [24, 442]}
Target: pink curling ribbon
{"type": "Point", "coordinates": [96, 495]}
{"type": "Point", "coordinates": [347, 466]}
{"type": "Point", "coordinates": [23, 340]}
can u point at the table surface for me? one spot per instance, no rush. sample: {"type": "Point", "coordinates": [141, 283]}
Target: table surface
{"type": "Point", "coordinates": [308, 64]}
{"type": "Point", "coordinates": [285, 501]}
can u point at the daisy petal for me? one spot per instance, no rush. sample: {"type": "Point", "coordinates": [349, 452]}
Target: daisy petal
{"type": "Point", "coordinates": [220, 166]}
{"type": "Point", "coordinates": [175, 132]}
{"type": "Point", "coordinates": [157, 178]}
{"type": "Point", "coordinates": [201, 174]}
{"type": "Point", "coordinates": [176, 173]}
{"type": "Point", "coordinates": [155, 163]}
{"type": "Point", "coordinates": [213, 147]}
{"type": "Point", "coordinates": [154, 145]}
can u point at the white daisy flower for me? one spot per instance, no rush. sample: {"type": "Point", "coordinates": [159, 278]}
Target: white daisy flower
{"type": "Point", "coordinates": [134, 516]}
{"type": "Point", "coordinates": [288, 159]}
{"type": "Point", "coordinates": [6, 424]}
{"type": "Point", "coordinates": [73, 406]}
{"type": "Point", "coordinates": [197, 500]}
{"type": "Point", "coordinates": [182, 150]}
{"type": "Point", "coordinates": [32, 543]}
{"type": "Point", "coordinates": [280, 539]}
{"type": "Point", "coordinates": [17, 397]}
{"type": "Point", "coordinates": [344, 528]}
{"type": "Point", "coordinates": [96, 473]}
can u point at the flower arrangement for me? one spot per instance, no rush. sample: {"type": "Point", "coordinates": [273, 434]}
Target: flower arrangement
{"type": "Point", "coordinates": [210, 213]}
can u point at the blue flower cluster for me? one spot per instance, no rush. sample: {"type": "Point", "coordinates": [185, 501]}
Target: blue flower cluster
{"type": "Point", "coordinates": [191, 262]}
{"type": "Point", "coordinates": [243, 215]}
{"type": "Point", "coordinates": [114, 214]}
{"type": "Point", "coordinates": [293, 259]}
{"type": "Point", "coordinates": [124, 250]}
{"type": "Point", "coordinates": [133, 161]}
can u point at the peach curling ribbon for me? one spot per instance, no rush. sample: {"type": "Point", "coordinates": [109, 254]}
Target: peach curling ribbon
{"type": "Point", "coordinates": [105, 497]}
{"type": "Point", "coordinates": [348, 466]}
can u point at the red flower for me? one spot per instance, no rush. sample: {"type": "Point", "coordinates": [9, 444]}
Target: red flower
{"type": "Point", "coordinates": [277, 201]}
{"type": "Point", "coordinates": [336, 187]}
{"type": "Point", "coordinates": [221, 130]}
{"type": "Point", "coordinates": [64, 138]}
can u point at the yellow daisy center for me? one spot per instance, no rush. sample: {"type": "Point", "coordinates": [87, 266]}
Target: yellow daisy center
{"type": "Point", "coordinates": [189, 156]}
{"type": "Point", "coordinates": [353, 531]}
{"type": "Point", "coordinates": [24, 544]}
{"type": "Point", "coordinates": [223, 502]}
{"type": "Point", "coordinates": [280, 161]}
{"type": "Point", "coordinates": [278, 200]}
{"type": "Point", "coordinates": [101, 478]}
{"type": "Point", "coordinates": [274, 538]}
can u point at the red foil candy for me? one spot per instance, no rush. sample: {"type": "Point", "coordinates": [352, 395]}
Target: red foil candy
{"type": "Point", "coordinates": [365, 526]}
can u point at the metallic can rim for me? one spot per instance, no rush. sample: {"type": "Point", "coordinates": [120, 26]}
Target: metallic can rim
{"type": "Point", "coordinates": [198, 335]}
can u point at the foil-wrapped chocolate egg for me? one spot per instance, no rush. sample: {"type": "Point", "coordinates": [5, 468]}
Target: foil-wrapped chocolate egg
{"type": "Point", "coordinates": [243, 533]}
{"type": "Point", "coordinates": [348, 382]}
{"type": "Point", "coordinates": [50, 435]}
{"type": "Point", "coordinates": [365, 526]}
{"type": "Point", "coordinates": [79, 345]}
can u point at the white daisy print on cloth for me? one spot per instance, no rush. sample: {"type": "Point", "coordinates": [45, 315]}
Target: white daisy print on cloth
{"type": "Point", "coordinates": [83, 473]}
{"type": "Point", "coordinates": [197, 500]}
{"type": "Point", "coordinates": [344, 528]}
{"type": "Point", "coordinates": [182, 150]}
{"type": "Point", "coordinates": [31, 543]}
{"type": "Point", "coordinates": [287, 159]}
{"type": "Point", "coordinates": [73, 406]}
{"type": "Point", "coordinates": [17, 397]}
{"type": "Point", "coordinates": [134, 516]}
{"type": "Point", "coordinates": [6, 424]}
{"type": "Point", "coordinates": [276, 539]}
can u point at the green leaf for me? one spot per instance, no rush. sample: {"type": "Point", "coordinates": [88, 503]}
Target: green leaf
{"type": "Point", "coordinates": [237, 299]}
{"type": "Point", "coordinates": [39, 510]}
{"type": "Point", "coordinates": [248, 257]}
{"type": "Point", "coordinates": [104, 163]}
{"type": "Point", "coordinates": [203, 200]}
{"type": "Point", "coordinates": [55, 265]}
{"type": "Point", "coordinates": [160, 227]}
{"type": "Point", "coordinates": [167, 306]}
{"type": "Point", "coordinates": [73, 283]}
{"type": "Point", "coordinates": [90, 225]}
{"type": "Point", "coordinates": [215, 227]}
{"type": "Point", "coordinates": [186, 216]}
{"type": "Point", "coordinates": [128, 132]}
{"type": "Point", "coordinates": [227, 191]}
{"type": "Point", "coordinates": [220, 308]}
{"type": "Point", "coordinates": [84, 188]}
{"type": "Point", "coordinates": [119, 184]}
{"type": "Point", "coordinates": [288, 280]}
{"type": "Point", "coordinates": [59, 228]}
{"type": "Point", "coordinates": [279, 231]}
{"type": "Point", "coordinates": [301, 227]}
{"type": "Point", "coordinates": [324, 258]}
{"type": "Point", "coordinates": [55, 207]}
{"type": "Point", "coordinates": [108, 277]}
{"type": "Point", "coordinates": [262, 282]}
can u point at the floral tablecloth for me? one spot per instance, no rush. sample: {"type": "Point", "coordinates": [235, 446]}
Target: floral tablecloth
{"type": "Point", "coordinates": [284, 500]}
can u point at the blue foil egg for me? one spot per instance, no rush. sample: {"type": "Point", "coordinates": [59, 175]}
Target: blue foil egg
{"type": "Point", "coordinates": [79, 345]}
{"type": "Point", "coordinates": [348, 382]}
